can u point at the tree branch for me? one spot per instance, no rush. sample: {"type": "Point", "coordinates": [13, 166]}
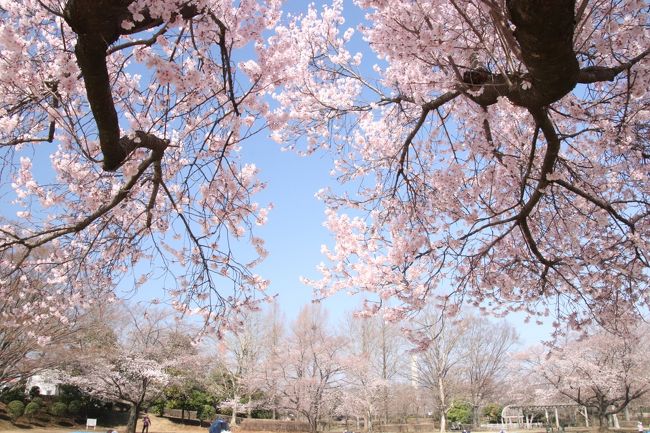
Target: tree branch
{"type": "Point", "coordinates": [98, 24]}
{"type": "Point", "coordinates": [593, 74]}
{"type": "Point", "coordinates": [426, 108]}
{"type": "Point", "coordinates": [552, 152]}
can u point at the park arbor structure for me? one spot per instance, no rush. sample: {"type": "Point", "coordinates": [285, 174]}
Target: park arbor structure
{"type": "Point", "coordinates": [522, 415]}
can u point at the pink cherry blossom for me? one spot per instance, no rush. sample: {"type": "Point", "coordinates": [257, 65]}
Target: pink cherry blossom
{"type": "Point", "coordinates": [472, 170]}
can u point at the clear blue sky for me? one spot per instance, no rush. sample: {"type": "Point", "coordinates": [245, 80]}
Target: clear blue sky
{"type": "Point", "coordinates": [294, 232]}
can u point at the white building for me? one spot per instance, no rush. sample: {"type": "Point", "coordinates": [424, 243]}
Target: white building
{"type": "Point", "coordinates": [47, 381]}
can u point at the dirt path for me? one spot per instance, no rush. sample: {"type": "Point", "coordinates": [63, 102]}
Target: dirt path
{"type": "Point", "coordinates": [158, 425]}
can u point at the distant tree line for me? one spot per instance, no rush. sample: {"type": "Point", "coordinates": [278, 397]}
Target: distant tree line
{"type": "Point", "coordinates": [359, 372]}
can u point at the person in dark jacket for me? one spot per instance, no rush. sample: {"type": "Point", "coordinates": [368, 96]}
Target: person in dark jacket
{"type": "Point", "coordinates": [218, 426]}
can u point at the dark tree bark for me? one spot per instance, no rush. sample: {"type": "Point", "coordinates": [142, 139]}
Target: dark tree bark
{"type": "Point", "coordinates": [98, 24]}
{"type": "Point", "coordinates": [544, 31]}
{"type": "Point", "coordinates": [134, 411]}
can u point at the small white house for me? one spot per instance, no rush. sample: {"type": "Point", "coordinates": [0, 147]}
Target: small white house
{"type": "Point", "coordinates": [47, 381]}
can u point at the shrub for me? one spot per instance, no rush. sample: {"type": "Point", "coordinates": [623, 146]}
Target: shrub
{"type": "Point", "coordinates": [67, 393]}
{"type": "Point", "coordinates": [460, 412]}
{"type": "Point", "coordinates": [58, 408]}
{"type": "Point", "coordinates": [207, 412]}
{"type": "Point", "coordinates": [16, 408]}
{"type": "Point", "coordinates": [11, 394]}
{"type": "Point", "coordinates": [158, 407]}
{"type": "Point", "coordinates": [74, 407]}
{"type": "Point", "coordinates": [38, 401]}
{"type": "Point", "coordinates": [262, 413]}
{"type": "Point", "coordinates": [226, 411]}
{"type": "Point", "coordinates": [492, 412]}
{"type": "Point", "coordinates": [32, 408]}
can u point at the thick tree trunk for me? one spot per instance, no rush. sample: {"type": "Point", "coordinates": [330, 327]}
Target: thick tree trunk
{"type": "Point", "coordinates": [475, 416]}
{"type": "Point", "coordinates": [602, 422]}
{"type": "Point", "coordinates": [313, 425]}
{"type": "Point", "coordinates": [233, 417]}
{"type": "Point", "coordinates": [97, 24]}
{"type": "Point", "coordinates": [442, 396]}
{"type": "Point", "coordinates": [544, 31]}
{"type": "Point", "coordinates": [443, 421]}
{"type": "Point", "coordinates": [131, 425]}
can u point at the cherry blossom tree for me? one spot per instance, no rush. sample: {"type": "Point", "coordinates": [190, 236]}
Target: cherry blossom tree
{"type": "Point", "coordinates": [238, 365]}
{"type": "Point", "coordinates": [136, 368]}
{"type": "Point", "coordinates": [381, 346]}
{"type": "Point", "coordinates": [363, 394]}
{"type": "Point", "coordinates": [31, 339]}
{"type": "Point", "coordinates": [495, 153]}
{"type": "Point", "coordinates": [127, 377]}
{"type": "Point", "coordinates": [376, 358]}
{"type": "Point", "coordinates": [603, 371]}
{"type": "Point", "coordinates": [527, 390]}
{"type": "Point", "coordinates": [310, 366]}
{"type": "Point", "coordinates": [267, 375]}
{"type": "Point", "coordinates": [140, 107]}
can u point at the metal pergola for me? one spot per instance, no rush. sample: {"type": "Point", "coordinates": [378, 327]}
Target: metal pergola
{"type": "Point", "coordinates": [514, 414]}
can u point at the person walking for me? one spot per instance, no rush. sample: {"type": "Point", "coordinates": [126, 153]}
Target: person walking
{"type": "Point", "coordinates": [146, 422]}
{"type": "Point", "coordinates": [218, 426]}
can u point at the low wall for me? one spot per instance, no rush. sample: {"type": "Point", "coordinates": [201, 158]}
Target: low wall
{"type": "Point", "coordinates": [180, 414]}
{"type": "Point", "coordinates": [190, 417]}
{"type": "Point", "coordinates": [273, 425]}
{"type": "Point", "coordinates": [405, 428]}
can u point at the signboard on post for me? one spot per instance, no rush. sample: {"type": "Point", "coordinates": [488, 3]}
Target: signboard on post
{"type": "Point", "coordinates": [91, 422]}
